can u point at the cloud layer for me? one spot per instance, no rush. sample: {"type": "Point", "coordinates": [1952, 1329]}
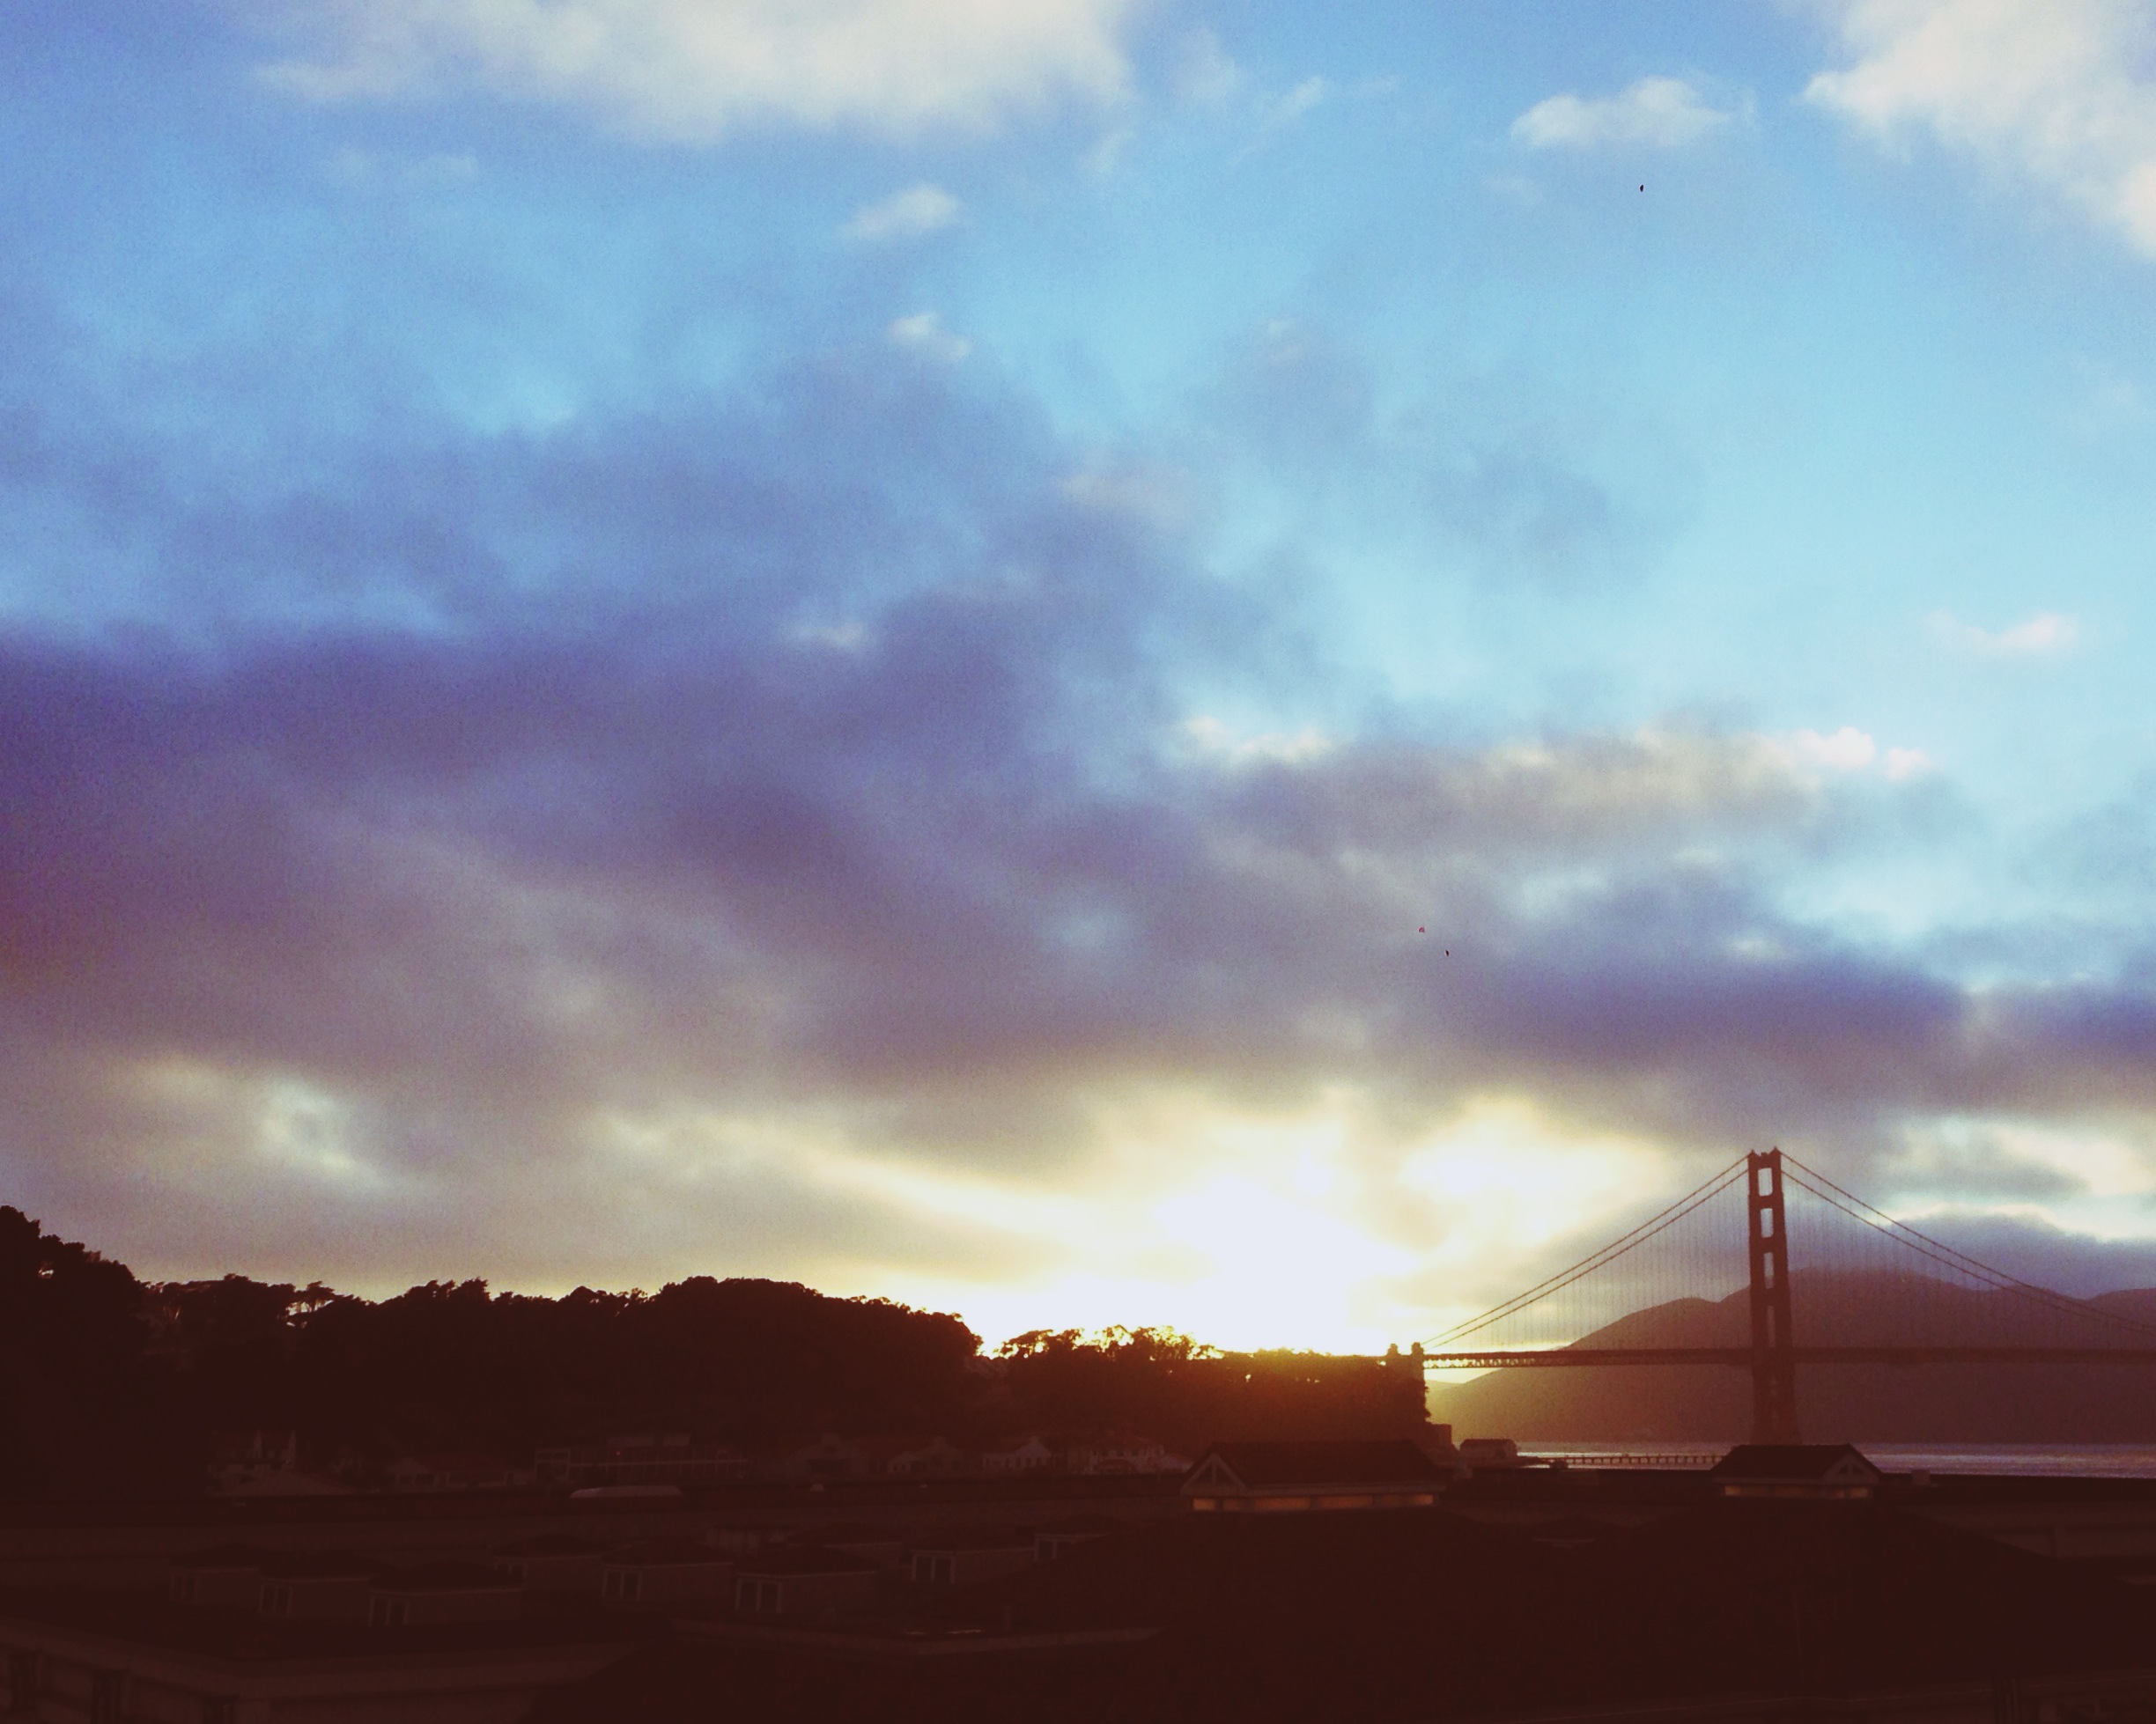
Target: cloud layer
{"type": "Point", "coordinates": [691, 70]}
{"type": "Point", "coordinates": [822, 898]}
{"type": "Point", "coordinates": [565, 715]}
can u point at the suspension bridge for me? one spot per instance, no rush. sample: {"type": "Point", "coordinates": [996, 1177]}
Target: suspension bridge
{"type": "Point", "coordinates": [1878, 1292]}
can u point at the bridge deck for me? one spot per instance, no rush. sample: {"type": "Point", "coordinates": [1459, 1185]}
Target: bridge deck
{"type": "Point", "coordinates": [1571, 1357]}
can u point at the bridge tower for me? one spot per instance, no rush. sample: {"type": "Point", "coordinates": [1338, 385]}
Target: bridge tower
{"type": "Point", "coordinates": [1774, 1358]}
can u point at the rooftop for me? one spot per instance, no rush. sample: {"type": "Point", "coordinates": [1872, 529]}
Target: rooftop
{"type": "Point", "coordinates": [1383, 1461]}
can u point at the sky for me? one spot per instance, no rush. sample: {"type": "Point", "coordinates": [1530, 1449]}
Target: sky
{"type": "Point", "coordinates": [1185, 662]}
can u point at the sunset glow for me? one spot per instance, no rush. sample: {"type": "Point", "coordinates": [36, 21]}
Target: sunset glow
{"type": "Point", "coordinates": [1189, 665]}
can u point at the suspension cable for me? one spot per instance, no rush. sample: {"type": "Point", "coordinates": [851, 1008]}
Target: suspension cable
{"type": "Point", "coordinates": [1588, 1265]}
{"type": "Point", "coordinates": [1861, 1210]}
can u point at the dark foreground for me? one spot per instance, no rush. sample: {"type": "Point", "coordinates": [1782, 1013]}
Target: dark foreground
{"type": "Point", "coordinates": [1527, 1593]}
{"type": "Point", "coordinates": [1724, 1609]}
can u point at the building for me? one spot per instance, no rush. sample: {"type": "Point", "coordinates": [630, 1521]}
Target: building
{"type": "Point", "coordinates": [670, 1459]}
{"type": "Point", "coordinates": [666, 1574]}
{"type": "Point", "coordinates": [745, 1538]}
{"type": "Point", "coordinates": [968, 1558]}
{"type": "Point", "coordinates": [448, 1471]}
{"type": "Point", "coordinates": [1274, 1478]}
{"type": "Point", "coordinates": [1120, 1455]}
{"type": "Point", "coordinates": [1053, 1543]}
{"type": "Point", "coordinates": [443, 1592]}
{"type": "Point", "coordinates": [1833, 1470]}
{"type": "Point", "coordinates": [225, 1577]}
{"type": "Point", "coordinates": [550, 1565]}
{"type": "Point", "coordinates": [1032, 1455]}
{"type": "Point", "coordinates": [882, 1545]}
{"type": "Point", "coordinates": [805, 1581]}
{"type": "Point", "coordinates": [312, 1587]}
{"type": "Point", "coordinates": [115, 1661]}
{"type": "Point", "coordinates": [937, 1458]}
{"type": "Point", "coordinates": [833, 1456]}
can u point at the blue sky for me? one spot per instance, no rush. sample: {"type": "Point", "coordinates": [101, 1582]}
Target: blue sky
{"type": "Point", "coordinates": [652, 636]}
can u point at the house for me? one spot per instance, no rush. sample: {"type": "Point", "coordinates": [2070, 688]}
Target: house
{"type": "Point", "coordinates": [665, 1574]}
{"type": "Point", "coordinates": [881, 1546]}
{"type": "Point", "coordinates": [1272, 1478]}
{"type": "Point", "coordinates": [440, 1592]}
{"type": "Point", "coordinates": [832, 1456]}
{"type": "Point", "coordinates": [456, 1472]}
{"type": "Point", "coordinates": [549, 1564]}
{"type": "Point", "coordinates": [1816, 1471]}
{"type": "Point", "coordinates": [967, 1558]}
{"type": "Point", "coordinates": [804, 1580]}
{"type": "Point", "coordinates": [266, 1463]}
{"type": "Point", "coordinates": [1053, 1543]}
{"type": "Point", "coordinates": [672, 1458]}
{"type": "Point", "coordinates": [225, 1577]}
{"type": "Point", "coordinates": [744, 1538]}
{"type": "Point", "coordinates": [1117, 1454]}
{"type": "Point", "coordinates": [326, 1586]}
{"type": "Point", "coordinates": [936, 1458]}
{"type": "Point", "coordinates": [1032, 1455]}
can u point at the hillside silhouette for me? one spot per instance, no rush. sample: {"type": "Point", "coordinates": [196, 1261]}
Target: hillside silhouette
{"type": "Point", "coordinates": [113, 1385]}
{"type": "Point", "coordinates": [1835, 1403]}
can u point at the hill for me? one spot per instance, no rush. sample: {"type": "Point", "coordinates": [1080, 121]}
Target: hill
{"type": "Point", "coordinates": [1853, 1403]}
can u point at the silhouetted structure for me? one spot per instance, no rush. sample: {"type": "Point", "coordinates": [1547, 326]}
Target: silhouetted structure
{"type": "Point", "coordinates": [1817, 1473]}
{"type": "Point", "coordinates": [2033, 1325]}
{"type": "Point", "coordinates": [1289, 1478]}
{"type": "Point", "coordinates": [1774, 1360]}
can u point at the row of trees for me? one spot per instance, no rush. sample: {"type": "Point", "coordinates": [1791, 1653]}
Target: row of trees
{"type": "Point", "coordinates": [113, 1385]}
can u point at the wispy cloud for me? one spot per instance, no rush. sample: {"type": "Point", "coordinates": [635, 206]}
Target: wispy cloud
{"type": "Point", "coordinates": [1300, 100]}
{"type": "Point", "coordinates": [2048, 634]}
{"type": "Point", "coordinates": [692, 71]}
{"type": "Point", "coordinates": [923, 332]}
{"type": "Point", "coordinates": [919, 210]}
{"type": "Point", "coordinates": [2058, 94]}
{"type": "Point", "coordinates": [1660, 113]}
{"type": "Point", "coordinates": [1204, 72]}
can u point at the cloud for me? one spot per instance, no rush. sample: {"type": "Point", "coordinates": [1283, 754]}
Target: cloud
{"type": "Point", "coordinates": [1204, 74]}
{"type": "Point", "coordinates": [1852, 750]}
{"type": "Point", "coordinates": [2048, 634]}
{"type": "Point", "coordinates": [2057, 94]}
{"type": "Point", "coordinates": [923, 332]}
{"type": "Point", "coordinates": [1308, 94]}
{"type": "Point", "coordinates": [692, 71]}
{"type": "Point", "coordinates": [1660, 113]}
{"type": "Point", "coordinates": [919, 210]}
{"type": "Point", "coordinates": [775, 834]}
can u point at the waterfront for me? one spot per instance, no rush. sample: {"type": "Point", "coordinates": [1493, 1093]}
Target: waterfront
{"type": "Point", "coordinates": [2014, 1460]}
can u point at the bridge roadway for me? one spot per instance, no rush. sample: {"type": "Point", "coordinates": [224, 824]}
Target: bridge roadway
{"type": "Point", "coordinates": [1491, 1358]}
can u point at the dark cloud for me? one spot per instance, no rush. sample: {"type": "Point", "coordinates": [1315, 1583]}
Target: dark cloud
{"type": "Point", "coordinates": [542, 842]}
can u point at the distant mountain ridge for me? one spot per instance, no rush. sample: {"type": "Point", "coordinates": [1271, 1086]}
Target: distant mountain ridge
{"type": "Point", "coordinates": [1853, 1403]}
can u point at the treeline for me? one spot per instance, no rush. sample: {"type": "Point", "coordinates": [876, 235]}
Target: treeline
{"type": "Point", "coordinates": [110, 1386]}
